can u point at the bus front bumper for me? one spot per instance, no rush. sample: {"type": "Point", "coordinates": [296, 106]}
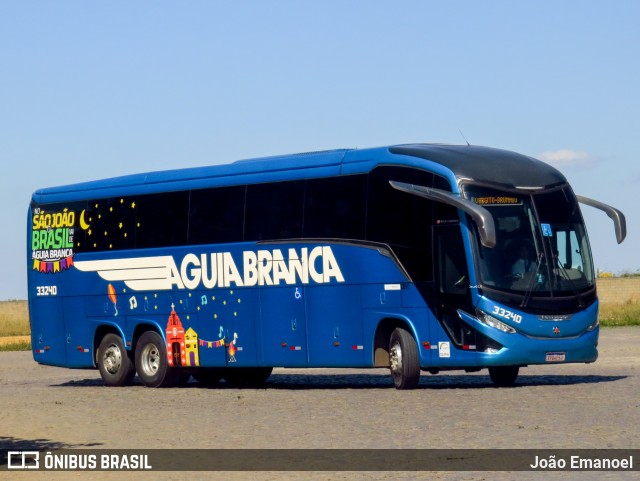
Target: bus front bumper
{"type": "Point", "coordinates": [519, 349]}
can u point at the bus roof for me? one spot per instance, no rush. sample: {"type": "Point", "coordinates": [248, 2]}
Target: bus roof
{"type": "Point", "coordinates": [456, 162]}
{"type": "Point", "coordinates": [480, 164]}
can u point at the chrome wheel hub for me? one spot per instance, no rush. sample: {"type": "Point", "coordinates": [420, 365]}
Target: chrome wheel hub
{"type": "Point", "coordinates": [150, 359]}
{"type": "Point", "coordinates": [112, 359]}
{"type": "Point", "coordinates": [395, 358]}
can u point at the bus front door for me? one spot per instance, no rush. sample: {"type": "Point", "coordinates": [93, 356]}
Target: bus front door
{"type": "Point", "coordinates": [456, 339]}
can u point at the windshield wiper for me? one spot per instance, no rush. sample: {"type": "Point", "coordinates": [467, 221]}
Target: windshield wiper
{"type": "Point", "coordinates": [533, 282]}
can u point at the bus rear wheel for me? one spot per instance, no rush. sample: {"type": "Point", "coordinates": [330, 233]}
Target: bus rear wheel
{"type": "Point", "coordinates": [403, 359]}
{"type": "Point", "coordinates": [115, 366]}
{"type": "Point", "coordinates": [504, 375]}
{"type": "Point", "coordinates": [151, 362]}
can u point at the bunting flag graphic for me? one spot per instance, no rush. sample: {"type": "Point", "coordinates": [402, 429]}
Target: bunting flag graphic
{"type": "Point", "coordinates": [211, 344]}
{"type": "Point", "coordinates": [52, 267]}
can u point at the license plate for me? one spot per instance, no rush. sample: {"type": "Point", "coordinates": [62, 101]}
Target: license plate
{"type": "Point", "coordinates": [555, 356]}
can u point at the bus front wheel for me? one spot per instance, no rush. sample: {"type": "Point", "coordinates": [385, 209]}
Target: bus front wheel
{"type": "Point", "coordinates": [403, 359]}
{"type": "Point", "coordinates": [114, 363]}
{"type": "Point", "coordinates": [151, 361]}
{"type": "Point", "coordinates": [504, 375]}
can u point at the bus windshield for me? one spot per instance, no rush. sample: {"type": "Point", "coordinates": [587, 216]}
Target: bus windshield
{"type": "Point", "coordinates": [542, 248]}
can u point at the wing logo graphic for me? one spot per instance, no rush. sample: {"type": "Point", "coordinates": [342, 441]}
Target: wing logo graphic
{"type": "Point", "coordinates": [219, 269]}
{"type": "Point", "coordinates": [140, 274]}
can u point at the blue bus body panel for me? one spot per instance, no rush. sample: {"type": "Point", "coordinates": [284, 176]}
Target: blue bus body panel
{"type": "Point", "coordinates": [79, 333]}
{"type": "Point", "coordinates": [47, 330]}
{"type": "Point", "coordinates": [283, 326]}
{"type": "Point", "coordinates": [312, 321]}
{"type": "Point", "coordinates": [335, 326]}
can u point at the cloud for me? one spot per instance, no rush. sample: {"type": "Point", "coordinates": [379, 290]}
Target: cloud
{"type": "Point", "coordinates": [568, 158]}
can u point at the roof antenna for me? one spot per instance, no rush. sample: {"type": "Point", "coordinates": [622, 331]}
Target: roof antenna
{"type": "Point", "coordinates": [465, 139]}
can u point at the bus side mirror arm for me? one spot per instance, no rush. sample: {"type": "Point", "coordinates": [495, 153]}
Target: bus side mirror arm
{"type": "Point", "coordinates": [619, 221]}
{"type": "Point", "coordinates": [481, 216]}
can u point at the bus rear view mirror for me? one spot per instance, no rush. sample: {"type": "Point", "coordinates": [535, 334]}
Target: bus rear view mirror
{"type": "Point", "coordinates": [619, 221]}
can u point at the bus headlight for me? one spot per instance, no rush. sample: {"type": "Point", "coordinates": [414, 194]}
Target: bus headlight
{"type": "Point", "coordinates": [594, 324]}
{"type": "Point", "coordinates": [491, 321]}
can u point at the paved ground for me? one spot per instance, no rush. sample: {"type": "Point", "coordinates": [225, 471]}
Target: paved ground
{"type": "Point", "coordinates": [561, 406]}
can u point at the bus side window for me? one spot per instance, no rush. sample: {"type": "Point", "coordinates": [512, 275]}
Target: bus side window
{"type": "Point", "coordinates": [401, 220]}
{"type": "Point", "coordinates": [216, 215]}
{"type": "Point", "coordinates": [274, 211]}
{"type": "Point", "coordinates": [335, 208]}
{"type": "Point", "coordinates": [162, 219]}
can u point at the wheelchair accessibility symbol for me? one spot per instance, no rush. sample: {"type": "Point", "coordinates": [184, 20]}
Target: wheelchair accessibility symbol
{"type": "Point", "coordinates": [297, 294]}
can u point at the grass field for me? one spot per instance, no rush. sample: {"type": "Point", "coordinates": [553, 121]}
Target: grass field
{"type": "Point", "coordinates": [627, 314]}
{"type": "Point", "coordinates": [14, 320]}
{"type": "Point", "coordinates": [14, 325]}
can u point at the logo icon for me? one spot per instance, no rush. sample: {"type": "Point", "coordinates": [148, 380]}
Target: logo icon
{"type": "Point", "coordinates": [23, 460]}
{"type": "Point", "coordinates": [556, 330]}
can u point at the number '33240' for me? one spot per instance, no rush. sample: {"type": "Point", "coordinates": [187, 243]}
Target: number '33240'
{"type": "Point", "coordinates": [507, 314]}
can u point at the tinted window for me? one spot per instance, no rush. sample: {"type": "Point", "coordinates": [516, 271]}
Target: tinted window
{"type": "Point", "coordinates": [274, 211]}
{"type": "Point", "coordinates": [335, 208]}
{"type": "Point", "coordinates": [401, 219]}
{"type": "Point", "coordinates": [397, 217]}
{"type": "Point", "coordinates": [162, 219]}
{"type": "Point", "coordinates": [216, 215]}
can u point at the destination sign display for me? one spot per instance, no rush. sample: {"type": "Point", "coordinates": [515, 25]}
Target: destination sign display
{"type": "Point", "coordinates": [489, 200]}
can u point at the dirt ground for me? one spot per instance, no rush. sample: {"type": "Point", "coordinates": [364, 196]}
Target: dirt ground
{"type": "Point", "coordinates": [552, 407]}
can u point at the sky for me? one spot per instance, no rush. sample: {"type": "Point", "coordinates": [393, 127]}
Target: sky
{"type": "Point", "coordinates": [90, 90]}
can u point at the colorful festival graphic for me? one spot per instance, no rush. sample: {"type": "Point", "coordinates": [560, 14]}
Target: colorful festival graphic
{"type": "Point", "coordinates": [112, 297]}
{"type": "Point", "coordinates": [183, 347]}
{"type": "Point", "coordinates": [58, 234]}
{"type": "Point", "coordinates": [52, 240]}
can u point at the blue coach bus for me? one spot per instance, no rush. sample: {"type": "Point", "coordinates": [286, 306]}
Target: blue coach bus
{"type": "Point", "coordinates": [412, 257]}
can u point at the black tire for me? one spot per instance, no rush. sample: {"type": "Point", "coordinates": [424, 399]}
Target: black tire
{"type": "Point", "coordinates": [404, 363]}
{"type": "Point", "coordinates": [151, 362]}
{"type": "Point", "coordinates": [504, 375]}
{"type": "Point", "coordinates": [247, 376]}
{"type": "Point", "coordinates": [207, 376]}
{"type": "Point", "coordinates": [114, 361]}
